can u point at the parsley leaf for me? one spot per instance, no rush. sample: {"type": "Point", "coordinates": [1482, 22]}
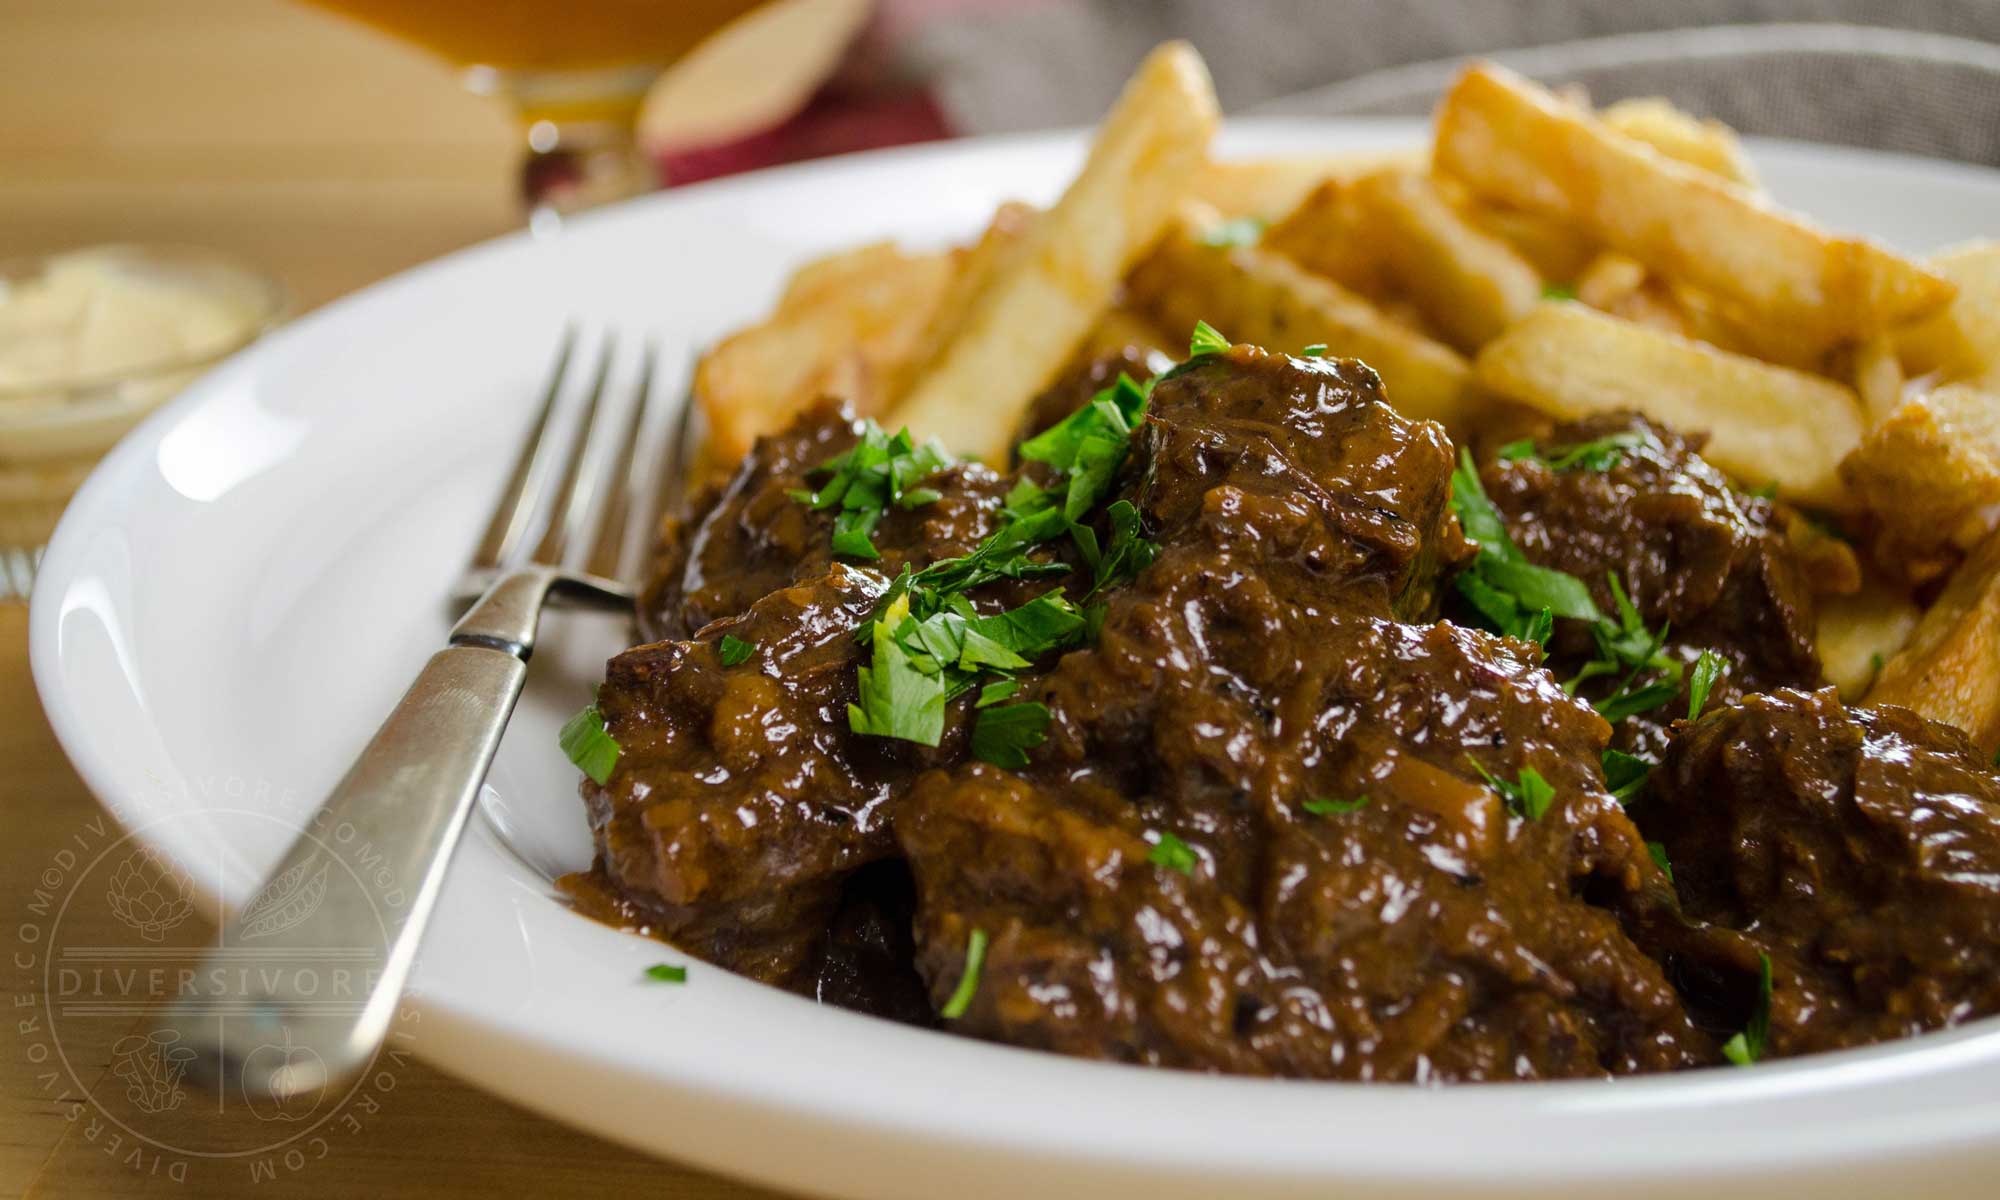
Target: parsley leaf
{"type": "Point", "coordinates": [1243, 231]}
{"type": "Point", "coordinates": [1659, 854]}
{"type": "Point", "coordinates": [1205, 340]}
{"type": "Point", "coordinates": [1003, 736]}
{"type": "Point", "coordinates": [1749, 1046]}
{"type": "Point", "coordinates": [1316, 350]}
{"type": "Point", "coordinates": [1707, 669]}
{"type": "Point", "coordinates": [734, 651]}
{"type": "Point", "coordinates": [594, 751]}
{"type": "Point", "coordinates": [1173, 854]}
{"type": "Point", "coordinates": [667, 973]}
{"type": "Point", "coordinates": [878, 472]}
{"type": "Point", "coordinates": [1558, 291]}
{"type": "Point", "coordinates": [993, 693]}
{"type": "Point", "coordinates": [1599, 454]}
{"type": "Point", "coordinates": [1320, 806]}
{"type": "Point", "coordinates": [968, 979]}
{"type": "Point", "coordinates": [1625, 775]}
{"type": "Point", "coordinates": [1508, 589]}
{"type": "Point", "coordinates": [1767, 491]}
{"type": "Point", "coordinates": [895, 698]}
{"type": "Point", "coordinates": [1129, 552]}
{"type": "Point", "coordinates": [1530, 795]}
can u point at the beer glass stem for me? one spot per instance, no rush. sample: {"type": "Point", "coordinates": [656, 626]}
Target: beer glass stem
{"type": "Point", "coordinates": [578, 133]}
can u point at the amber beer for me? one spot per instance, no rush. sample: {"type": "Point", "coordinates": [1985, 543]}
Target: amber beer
{"type": "Point", "coordinates": [549, 39]}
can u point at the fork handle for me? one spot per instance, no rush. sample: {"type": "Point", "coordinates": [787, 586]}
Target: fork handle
{"type": "Point", "coordinates": [269, 1013]}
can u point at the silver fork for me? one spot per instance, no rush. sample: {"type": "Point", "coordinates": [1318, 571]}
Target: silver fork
{"type": "Point", "coordinates": [400, 809]}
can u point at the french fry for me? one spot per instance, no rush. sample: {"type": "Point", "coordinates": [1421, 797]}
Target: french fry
{"type": "Point", "coordinates": [1946, 672]}
{"type": "Point", "coordinates": [1558, 252]}
{"type": "Point", "coordinates": [1858, 633]}
{"type": "Point", "coordinates": [1253, 295]}
{"type": "Point", "coordinates": [1327, 235]}
{"type": "Point", "coordinates": [975, 267]}
{"type": "Point", "coordinates": [845, 327]}
{"type": "Point", "coordinates": [1766, 424]}
{"type": "Point", "coordinates": [1709, 145]}
{"type": "Point", "coordinates": [1469, 284]}
{"type": "Point", "coordinates": [1266, 189]}
{"type": "Point", "coordinates": [1024, 325]}
{"type": "Point", "coordinates": [1513, 143]}
{"type": "Point", "coordinates": [1878, 376]}
{"type": "Point", "coordinates": [1609, 279]}
{"type": "Point", "coordinates": [1963, 342]}
{"type": "Point", "coordinates": [1931, 469]}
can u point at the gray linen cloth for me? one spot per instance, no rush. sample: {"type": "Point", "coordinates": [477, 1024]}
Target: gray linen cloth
{"type": "Point", "coordinates": [1920, 76]}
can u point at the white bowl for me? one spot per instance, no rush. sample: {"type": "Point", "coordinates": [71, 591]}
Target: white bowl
{"type": "Point", "coordinates": [249, 580]}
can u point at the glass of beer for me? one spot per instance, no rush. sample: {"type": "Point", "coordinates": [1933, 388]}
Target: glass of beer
{"type": "Point", "coordinates": [574, 72]}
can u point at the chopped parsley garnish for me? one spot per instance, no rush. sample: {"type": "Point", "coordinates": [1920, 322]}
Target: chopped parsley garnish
{"type": "Point", "coordinates": [993, 693]}
{"type": "Point", "coordinates": [1519, 598]}
{"type": "Point", "coordinates": [1243, 231]}
{"type": "Point", "coordinates": [1129, 552]}
{"type": "Point", "coordinates": [1625, 775]}
{"type": "Point", "coordinates": [1659, 854]}
{"type": "Point", "coordinates": [1876, 662]}
{"type": "Point", "coordinates": [1321, 806]}
{"type": "Point", "coordinates": [1316, 350]}
{"type": "Point", "coordinates": [1749, 1046]}
{"type": "Point", "coordinates": [1173, 854]}
{"type": "Point", "coordinates": [897, 699]}
{"type": "Point", "coordinates": [1003, 736]}
{"type": "Point", "coordinates": [733, 650]}
{"type": "Point", "coordinates": [1599, 454]}
{"type": "Point", "coordinates": [1089, 445]}
{"type": "Point", "coordinates": [1768, 491]}
{"type": "Point", "coordinates": [1707, 669]}
{"type": "Point", "coordinates": [1529, 795]}
{"type": "Point", "coordinates": [1628, 647]}
{"type": "Point", "coordinates": [1206, 341]}
{"type": "Point", "coordinates": [667, 973]}
{"type": "Point", "coordinates": [878, 472]}
{"type": "Point", "coordinates": [1558, 291]}
{"type": "Point", "coordinates": [968, 979]}
{"type": "Point", "coordinates": [594, 751]}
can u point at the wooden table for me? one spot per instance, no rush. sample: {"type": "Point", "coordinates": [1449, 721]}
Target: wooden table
{"type": "Point", "coordinates": [333, 157]}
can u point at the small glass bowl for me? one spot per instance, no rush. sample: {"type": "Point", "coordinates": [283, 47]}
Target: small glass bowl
{"type": "Point", "coordinates": [54, 428]}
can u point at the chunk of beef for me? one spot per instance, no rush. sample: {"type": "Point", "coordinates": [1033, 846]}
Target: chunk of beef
{"type": "Point", "coordinates": [1859, 848]}
{"type": "Point", "coordinates": [1256, 667]}
{"type": "Point", "coordinates": [752, 538]}
{"type": "Point", "coordinates": [1693, 553]}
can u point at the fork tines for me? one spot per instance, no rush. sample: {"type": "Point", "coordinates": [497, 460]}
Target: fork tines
{"type": "Point", "coordinates": [589, 478]}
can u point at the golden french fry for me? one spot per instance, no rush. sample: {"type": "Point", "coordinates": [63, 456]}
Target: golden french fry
{"type": "Point", "coordinates": [1858, 633]}
{"type": "Point", "coordinates": [1556, 249]}
{"type": "Point", "coordinates": [1931, 469]}
{"type": "Point", "coordinates": [1878, 376]}
{"type": "Point", "coordinates": [1946, 672]}
{"type": "Point", "coordinates": [1468, 283]}
{"type": "Point", "coordinates": [1709, 145]}
{"type": "Point", "coordinates": [1028, 320]}
{"type": "Point", "coordinates": [974, 267]}
{"type": "Point", "coordinates": [1253, 295]}
{"type": "Point", "coordinates": [1963, 342]}
{"type": "Point", "coordinates": [1766, 424]}
{"type": "Point", "coordinates": [1266, 189]}
{"type": "Point", "coordinates": [844, 327]}
{"type": "Point", "coordinates": [1327, 235]}
{"type": "Point", "coordinates": [1514, 143]}
{"type": "Point", "coordinates": [1609, 279]}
